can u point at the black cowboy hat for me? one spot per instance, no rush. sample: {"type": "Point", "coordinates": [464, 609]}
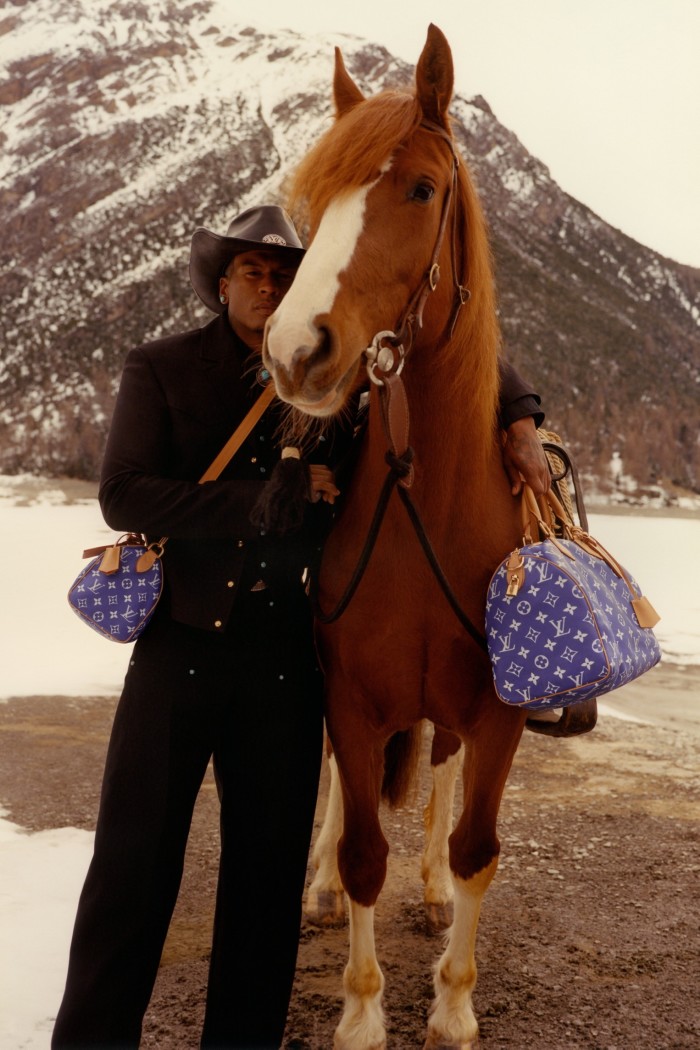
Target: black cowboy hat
{"type": "Point", "coordinates": [268, 226]}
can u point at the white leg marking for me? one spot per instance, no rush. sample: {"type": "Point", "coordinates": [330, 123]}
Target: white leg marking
{"type": "Point", "coordinates": [326, 882]}
{"type": "Point", "coordinates": [437, 819]}
{"type": "Point", "coordinates": [362, 1024]}
{"type": "Point", "coordinates": [452, 1021]}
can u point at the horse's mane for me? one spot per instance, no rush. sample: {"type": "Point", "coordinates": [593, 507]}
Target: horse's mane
{"type": "Point", "coordinates": [352, 151]}
{"type": "Point", "coordinates": [351, 154]}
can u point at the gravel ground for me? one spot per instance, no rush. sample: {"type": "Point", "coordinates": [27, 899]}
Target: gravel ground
{"type": "Point", "coordinates": [589, 933]}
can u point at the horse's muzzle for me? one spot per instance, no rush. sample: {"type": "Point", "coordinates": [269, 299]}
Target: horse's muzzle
{"type": "Point", "coordinates": [305, 375]}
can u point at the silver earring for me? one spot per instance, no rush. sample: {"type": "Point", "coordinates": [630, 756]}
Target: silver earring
{"type": "Point", "coordinates": [223, 299]}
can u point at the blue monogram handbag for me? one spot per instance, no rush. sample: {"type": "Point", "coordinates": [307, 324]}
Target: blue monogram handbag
{"type": "Point", "coordinates": [117, 592]}
{"type": "Point", "coordinates": [565, 622]}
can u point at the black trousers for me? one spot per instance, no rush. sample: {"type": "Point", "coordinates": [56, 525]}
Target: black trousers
{"type": "Point", "coordinates": [252, 698]}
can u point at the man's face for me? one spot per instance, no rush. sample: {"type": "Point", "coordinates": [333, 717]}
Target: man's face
{"type": "Point", "coordinates": [254, 285]}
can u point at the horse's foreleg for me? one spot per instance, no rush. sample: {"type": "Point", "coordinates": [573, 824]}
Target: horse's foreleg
{"type": "Point", "coordinates": [325, 899]}
{"type": "Point", "coordinates": [362, 1024]}
{"type": "Point", "coordinates": [474, 850]}
{"type": "Point", "coordinates": [452, 1024]}
{"type": "Point", "coordinates": [362, 857]}
{"type": "Point", "coordinates": [445, 762]}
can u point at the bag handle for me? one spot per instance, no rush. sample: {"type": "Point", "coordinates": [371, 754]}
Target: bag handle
{"type": "Point", "coordinates": [548, 507]}
{"type": "Point", "coordinates": [539, 515]}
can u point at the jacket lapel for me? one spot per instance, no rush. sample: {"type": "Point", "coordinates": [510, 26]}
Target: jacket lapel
{"type": "Point", "coordinates": [228, 369]}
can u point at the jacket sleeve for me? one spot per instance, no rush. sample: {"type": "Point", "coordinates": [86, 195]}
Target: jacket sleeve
{"type": "Point", "coordinates": [146, 483]}
{"type": "Point", "coordinates": [517, 398]}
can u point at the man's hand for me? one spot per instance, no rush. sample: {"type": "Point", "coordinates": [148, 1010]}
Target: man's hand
{"type": "Point", "coordinates": [322, 483]}
{"type": "Point", "coordinates": [524, 458]}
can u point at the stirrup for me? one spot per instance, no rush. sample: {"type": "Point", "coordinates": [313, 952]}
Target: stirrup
{"type": "Point", "coordinates": [573, 721]}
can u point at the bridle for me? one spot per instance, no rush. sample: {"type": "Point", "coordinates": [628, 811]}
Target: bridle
{"type": "Point", "coordinates": [388, 349]}
{"type": "Point", "coordinates": [387, 352]}
{"type": "Point", "coordinates": [385, 360]}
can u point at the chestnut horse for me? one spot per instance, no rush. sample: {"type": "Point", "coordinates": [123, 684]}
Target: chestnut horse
{"type": "Point", "coordinates": [398, 273]}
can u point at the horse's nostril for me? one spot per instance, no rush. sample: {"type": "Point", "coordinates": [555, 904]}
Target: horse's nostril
{"type": "Point", "coordinates": [310, 356]}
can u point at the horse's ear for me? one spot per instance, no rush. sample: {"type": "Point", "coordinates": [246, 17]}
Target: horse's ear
{"type": "Point", "coordinates": [435, 77]}
{"type": "Point", "coordinates": [345, 91]}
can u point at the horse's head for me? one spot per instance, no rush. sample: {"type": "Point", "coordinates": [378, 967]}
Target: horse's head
{"type": "Point", "coordinates": [385, 199]}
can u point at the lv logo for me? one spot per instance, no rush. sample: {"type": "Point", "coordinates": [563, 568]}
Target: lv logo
{"type": "Point", "coordinates": [559, 627]}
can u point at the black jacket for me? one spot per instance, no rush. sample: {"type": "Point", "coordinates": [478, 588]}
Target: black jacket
{"type": "Point", "coordinates": [179, 401]}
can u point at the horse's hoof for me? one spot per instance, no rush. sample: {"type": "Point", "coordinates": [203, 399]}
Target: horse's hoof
{"type": "Point", "coordinates": [327, 909]}
{"type": "Point", "coordinates": [342, 1045]}
{"type": "Point", "coordinates": [438, 917]}
{"type": "Point", "coordinates": [432, 1043]}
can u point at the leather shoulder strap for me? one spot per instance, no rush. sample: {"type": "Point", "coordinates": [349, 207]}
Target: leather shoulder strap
{"type": "Point", "coordinates": [155, 550]}
{"type": "Point", "coordinates": [239, 435]}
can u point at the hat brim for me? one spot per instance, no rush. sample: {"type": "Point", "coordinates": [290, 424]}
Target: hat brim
{"type": "Point", "coordinates": [210, 254]}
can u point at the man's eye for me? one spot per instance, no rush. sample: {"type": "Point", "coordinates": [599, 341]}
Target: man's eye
{"type": "Point", "coordinates": [423, 192]}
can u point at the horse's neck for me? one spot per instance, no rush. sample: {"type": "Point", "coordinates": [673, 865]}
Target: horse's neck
{"type": "Point", "coordinates": [448, 438]}
{"type": "Point", "coordinates": [458, 473]}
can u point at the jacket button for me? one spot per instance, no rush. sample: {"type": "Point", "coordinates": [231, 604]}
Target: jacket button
{"type": "Point", "coordinates": [240, 543]}
{"type": "Point", "coordinates": [230, 583]}
{"type": "Point", "coordinates": [217, 623]}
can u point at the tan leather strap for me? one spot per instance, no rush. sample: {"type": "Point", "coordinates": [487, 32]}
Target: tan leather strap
{"type": "Point", "coordinates": [155, 550]}
{"type": "Point", "coordinates": [239, 435]}
{"type": "Point", "coordinates": [540, 514]}
{"type": "Point", "coordinates": [548, 506]}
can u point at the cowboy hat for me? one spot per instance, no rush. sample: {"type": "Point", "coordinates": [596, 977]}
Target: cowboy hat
{"type": "Point", "coordinates": [268, 226]}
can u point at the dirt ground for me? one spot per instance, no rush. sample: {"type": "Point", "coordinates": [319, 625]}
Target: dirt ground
{"type": "Point", "coordinates": [589, 934]}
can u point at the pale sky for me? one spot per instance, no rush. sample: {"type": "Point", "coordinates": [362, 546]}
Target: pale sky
{"type": "Point", "coordinates": [605, 92]}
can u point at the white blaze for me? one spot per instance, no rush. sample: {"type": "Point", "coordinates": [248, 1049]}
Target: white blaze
{"type": "Point", "coordinates": [318, 278]}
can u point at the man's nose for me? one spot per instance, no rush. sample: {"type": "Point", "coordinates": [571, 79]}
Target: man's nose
{"type": "Point", "coordinates": [271, 286]}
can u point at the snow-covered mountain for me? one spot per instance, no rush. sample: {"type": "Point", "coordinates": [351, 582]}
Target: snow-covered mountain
{"type": "Point", "coordinates": [126, 124]}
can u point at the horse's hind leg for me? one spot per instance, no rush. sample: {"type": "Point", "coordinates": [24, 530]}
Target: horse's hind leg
{"type": "Point", "coordinates": [474, 849]}
{"type": "Point", "coordinates": [325, 898]}
{"type": "Point", "coordinates": [445, 762]}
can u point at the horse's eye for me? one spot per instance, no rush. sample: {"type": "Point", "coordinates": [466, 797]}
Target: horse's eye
{"type": "Point", "coordinates": [423, 192]}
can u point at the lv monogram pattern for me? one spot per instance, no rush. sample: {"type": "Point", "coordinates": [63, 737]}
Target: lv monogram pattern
{"type": "Point", "coordinates": [568, 635]}
{"type": "Point", "coordinates": [118, 605]}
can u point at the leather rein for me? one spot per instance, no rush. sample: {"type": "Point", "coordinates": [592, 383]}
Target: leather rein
{"type": "Point", "coordinates": [385, 360]}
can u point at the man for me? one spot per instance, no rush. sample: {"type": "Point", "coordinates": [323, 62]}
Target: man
{"type": "Point", "coordinates": [226, 668]}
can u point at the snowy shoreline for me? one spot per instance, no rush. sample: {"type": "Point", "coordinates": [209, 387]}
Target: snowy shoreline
{"type": "Point", "coordinates": [45, 526]}
{"type": "Point", "coordinates": [48, 652]}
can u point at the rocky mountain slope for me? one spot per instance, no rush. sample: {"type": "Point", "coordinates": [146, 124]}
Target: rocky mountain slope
{"type": "Point", "coordinates": [124, 125]}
